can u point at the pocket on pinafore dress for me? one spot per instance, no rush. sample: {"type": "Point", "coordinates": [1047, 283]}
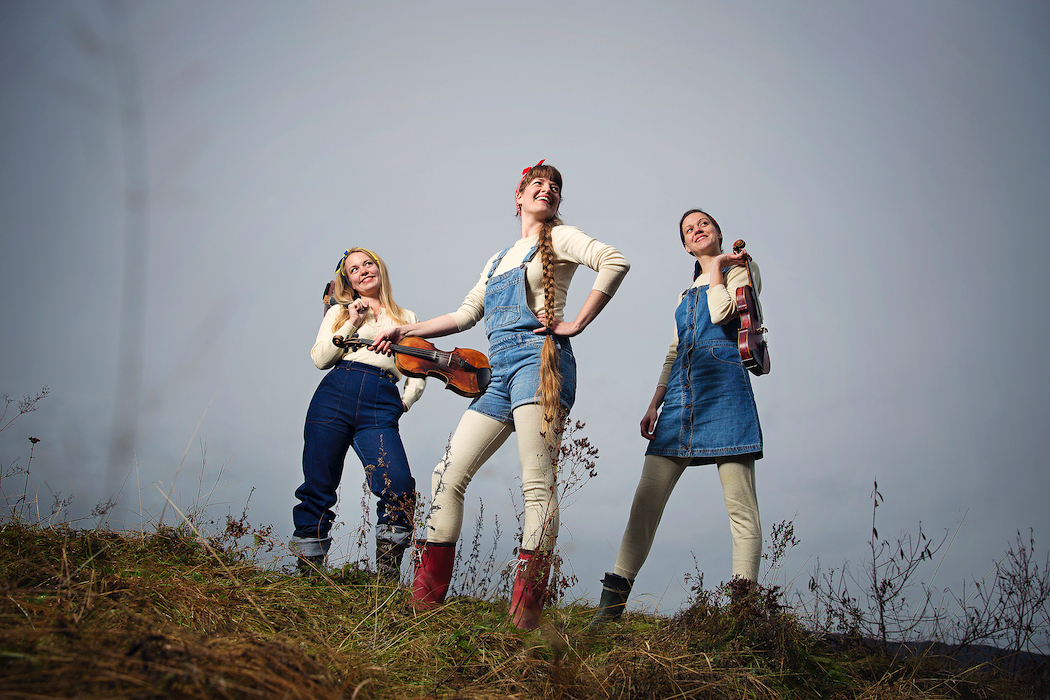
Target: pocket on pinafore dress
{"type": "Point", "coordinates": [728, 354]}
{"type": "Point", "coordinates": [721, 373]}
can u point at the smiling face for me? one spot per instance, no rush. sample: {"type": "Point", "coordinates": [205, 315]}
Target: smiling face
{"type": "Point", "coordinates": [363, 273]}
{"type": "Point", "coordinates": [700, 234]}
{"type": "Point", "coordinates": [540, 197]}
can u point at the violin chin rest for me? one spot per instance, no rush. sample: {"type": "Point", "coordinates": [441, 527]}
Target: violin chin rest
{"type": "Point", "coordinates": [484, 375]}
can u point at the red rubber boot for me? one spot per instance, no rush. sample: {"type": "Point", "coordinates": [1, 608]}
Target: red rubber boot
{"type": "Point", "coordinates": [434, 562]}
{"type": "Point", "coordinates": [530, 587]}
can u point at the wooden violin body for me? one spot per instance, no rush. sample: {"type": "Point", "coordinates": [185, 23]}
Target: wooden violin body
{"type": "Point", "coordinates": [464, 371]}
{"type": "Point", "coordinates": [750, 339]}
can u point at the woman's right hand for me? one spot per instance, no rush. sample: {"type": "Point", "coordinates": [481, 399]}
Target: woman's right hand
{"type": "Point", "coordinates": [357, 309]}
{"type": "Point", "coordinates": [649, 419]}
{"type": "Point", "coordinates": [649, 423]}
{"type": "Point", "coordinates": [386, 338]}
{"type": "Point", "coordinates": [434, 328]}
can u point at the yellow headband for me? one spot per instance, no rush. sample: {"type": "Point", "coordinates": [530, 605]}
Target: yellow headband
{"type": "Point", "coordinates": [339, 265]}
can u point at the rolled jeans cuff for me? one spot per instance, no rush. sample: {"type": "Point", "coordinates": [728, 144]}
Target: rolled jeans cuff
{"type": "Point", "coordinates": [398, 534]}
{"type": "Point", "coordinates": [309, 546]}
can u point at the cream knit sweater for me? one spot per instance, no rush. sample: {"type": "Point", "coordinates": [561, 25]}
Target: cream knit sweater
{"type": "Point", "coordinates": [326, 354]}
{"type": "Point", "coordinates": [572, 248]}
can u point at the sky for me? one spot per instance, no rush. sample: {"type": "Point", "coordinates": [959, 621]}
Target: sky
{"type": "Point", "coordinates": [887, 164]}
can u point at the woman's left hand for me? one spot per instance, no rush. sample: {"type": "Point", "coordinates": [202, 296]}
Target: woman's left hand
{"type": "Point", "coordinates": [561, 328]}
{"type": "Point", "coordinates": [596, 301]}
{"type": "Point", "coordinates": [731, 258]}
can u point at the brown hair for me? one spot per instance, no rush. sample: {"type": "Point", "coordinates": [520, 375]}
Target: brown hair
{"type": "Point", "coordinates": [681, 233]}
{"type": "Point", "coordinates": [550, 369]}
{"type": "Point", "coordinates": [344, 293]}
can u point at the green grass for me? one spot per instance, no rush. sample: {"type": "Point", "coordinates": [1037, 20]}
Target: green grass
{"type": "Point", "coordinates": [169, 614]}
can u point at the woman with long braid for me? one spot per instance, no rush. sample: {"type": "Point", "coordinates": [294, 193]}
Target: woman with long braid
{"type": "Point", "coordinates": [521, 297]}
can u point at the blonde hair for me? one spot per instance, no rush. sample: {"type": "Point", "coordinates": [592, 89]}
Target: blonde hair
{"type": "Point", "coordinates": [343, 293]}
{"type": "Point", "coordinates": [550, 368]}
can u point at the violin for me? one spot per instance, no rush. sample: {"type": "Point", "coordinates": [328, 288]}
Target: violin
{"type": "Point", "coordinates": [464, 371]}
{"type": "Point", "coordinates": [750, 339]}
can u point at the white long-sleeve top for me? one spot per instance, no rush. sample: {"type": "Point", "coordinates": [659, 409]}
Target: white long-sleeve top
{"type": "Point", "coordinates": [572, 248]}
{"type": "Point", "coordinates": [721, 302]}
{"type": "Point", "coordinates": [327, 354]}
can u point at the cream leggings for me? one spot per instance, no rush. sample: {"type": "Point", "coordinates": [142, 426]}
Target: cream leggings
{"type": "Point", "coordinates": [476, 439]}
{"type": "Point", "coordinates": [659, 476]}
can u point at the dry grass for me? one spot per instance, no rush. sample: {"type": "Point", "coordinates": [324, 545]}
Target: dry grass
{"type": "Point", "coordinates": [98, 614]}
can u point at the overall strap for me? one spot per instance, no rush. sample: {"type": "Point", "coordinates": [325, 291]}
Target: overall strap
{"type": "Point", "coordinates": [697, 273]}
{"type": "Point", "coordinates": [530, 256]}
{"type": "Point", "coordinates": [496, 262]}
{"type": "Point", "coordinates": [499, 258]}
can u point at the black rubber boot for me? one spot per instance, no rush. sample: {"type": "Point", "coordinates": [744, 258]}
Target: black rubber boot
{"type": "Point", "coordinates": [615, 591]}
{"type": "Point", "coordinates": [310, 565]}
{"type": "Point", "coordinates": [388, 559]}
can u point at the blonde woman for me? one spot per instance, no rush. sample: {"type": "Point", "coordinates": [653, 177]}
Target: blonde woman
{"type": "Point", "coordinates": [357, 404]}
{"type": "Point", "coordinates": [521, 297]}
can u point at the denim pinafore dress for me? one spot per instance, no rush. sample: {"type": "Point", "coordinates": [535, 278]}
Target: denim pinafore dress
{"type": "Point", "coordinates": [709, 411]}
{"type": "Point", "coordinates": [514, 350]}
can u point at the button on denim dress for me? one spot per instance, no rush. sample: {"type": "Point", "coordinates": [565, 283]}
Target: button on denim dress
{"type": "Point", "coordinates": [514, 349]}
{"type": "Point", "coordinates": [709, 410]}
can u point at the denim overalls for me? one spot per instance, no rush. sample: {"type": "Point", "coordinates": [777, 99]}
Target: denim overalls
{"type": "Point", "coordinates": [514, 350]}
{"type": "Point", "coordinates": [355, 404]}
{"type": "Point", "coordinates": [709, 410]}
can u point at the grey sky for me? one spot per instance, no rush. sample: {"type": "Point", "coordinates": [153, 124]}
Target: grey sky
{"type": "Point", "coordinates": [886, 163]}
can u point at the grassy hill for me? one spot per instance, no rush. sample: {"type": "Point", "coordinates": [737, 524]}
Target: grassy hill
{"type": "Point", "coordinates": [91, 613]}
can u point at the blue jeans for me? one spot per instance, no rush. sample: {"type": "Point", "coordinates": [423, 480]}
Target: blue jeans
{"type": "Point", "coordinates": [355, 404]}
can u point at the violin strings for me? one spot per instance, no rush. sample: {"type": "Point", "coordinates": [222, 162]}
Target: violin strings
{"type": "Point", "coordinates": [432, 355]}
